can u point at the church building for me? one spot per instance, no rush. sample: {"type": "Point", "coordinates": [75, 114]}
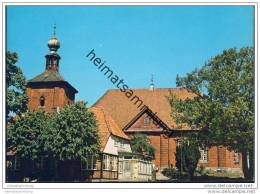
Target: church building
{"type": "Point", "coordinates": [118, 120]}
{"type": "Point", "coordinates": [161, 129]}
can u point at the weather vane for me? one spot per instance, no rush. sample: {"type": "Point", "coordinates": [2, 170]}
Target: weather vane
{"type": "Point", "coordinates": [54, 29]}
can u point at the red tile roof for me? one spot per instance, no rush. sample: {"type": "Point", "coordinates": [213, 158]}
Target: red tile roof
{"type": "Point", "coordinates": [122, 110]}
{"type": "Point", "coordinates": [106, 126]}
{"type": "Point", "coordinates": [50, 77]}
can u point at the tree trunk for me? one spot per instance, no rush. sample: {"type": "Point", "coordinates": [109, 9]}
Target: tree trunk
{"type": "Point", "coordinates": [251, 165]}
{"type": "Point", "coordinates": [248, 168]}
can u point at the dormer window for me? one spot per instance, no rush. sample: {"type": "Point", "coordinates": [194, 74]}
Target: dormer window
{"type": "Point", "coordinates": [42, 101]}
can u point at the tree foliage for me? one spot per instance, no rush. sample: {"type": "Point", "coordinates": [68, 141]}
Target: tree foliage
{"type": "Point", "coordinates": [187, 156]}
{"type": "Point", "coordinates": [223, 109]}
{"type": "Point", "coordinates": [141, 144]}
{"type": "Point", "coordinates": [74, 133]}
{"type": "Point", "coordinates": [16, 98]}
{"type": "Point", "coordinates": [68, 135]}
{"type": "Point", "coordinates": [25, 134]}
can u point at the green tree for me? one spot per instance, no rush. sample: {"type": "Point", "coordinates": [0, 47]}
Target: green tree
{"type": "Point", "coordinates": [187, 156]}
{"type": "Point", "coordinates": [223, 108]}
{"type": "Point", "coordinates": [25, 134]}
{"type": "Point", "coordinates": [16, 98]}
{"type": "Point", "coordinates": [67, 137]}
{"type": "Point", "coordinates": [141, 144]}
{"type": "Point", "coordinates": [74, 133]}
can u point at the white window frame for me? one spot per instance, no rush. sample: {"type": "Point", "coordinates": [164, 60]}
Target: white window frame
{"type": "Point", "coordinates": [106, 162]}
{"type": "Point", "coordinates": [149, 168]}
{"type": "Point", "coordinates": [143, 167]}
{"type": "Point", "coordinates": [90, 163]}
{"type": "Point", "coordinates": [236, 157]}
{"type": "Point", "coordinates": [120, 166]}
{"type": "Point", "coordinates": [114, 163]}
{"type": "Point", "coordinates": [204, 154]}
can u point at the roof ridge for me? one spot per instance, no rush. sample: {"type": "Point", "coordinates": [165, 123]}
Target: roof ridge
{"type": "Point", "coordinates": [123, 109]}
{"type": "Point", "coordinates": [50, 77]}
{"type": "Point", "coordinates": [100, 98]}
{"type": "Point", "coordinates": [174, 88]}
{"type": "Point", "coordinates": [44, 78]}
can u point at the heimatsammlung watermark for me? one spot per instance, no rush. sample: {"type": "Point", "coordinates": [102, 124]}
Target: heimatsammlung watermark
{"type": "Point", "coordinates": [120, 84]}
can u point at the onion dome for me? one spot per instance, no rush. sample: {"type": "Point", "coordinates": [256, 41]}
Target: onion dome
{"type": "Point", "coordinates": [54, 43]}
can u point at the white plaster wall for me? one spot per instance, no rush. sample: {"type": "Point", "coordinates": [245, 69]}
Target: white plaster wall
{"type": "Point", "coordinates": [110, 147]}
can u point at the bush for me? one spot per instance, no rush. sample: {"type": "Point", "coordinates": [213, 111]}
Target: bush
{"type": "Point", "coordinates": [173, 173]}
{"type": "Point", "coordinates": [170, 173]}
{"type": "Point", "coordinates": [142, 145]}
{"type": "Point", "coordinates": [201, 171]}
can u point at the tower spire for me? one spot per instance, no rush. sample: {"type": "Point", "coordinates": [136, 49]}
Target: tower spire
{"type": "Point", "coordinates": [152, 83]}
{"type": "Point", "coordinates": [54, 30]}
{"type": "Point", "coordinates": [54, 43]}
{"type": "Point", "coordinates": [52, 59]}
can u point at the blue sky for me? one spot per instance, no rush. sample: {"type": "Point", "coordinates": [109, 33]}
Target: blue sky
{"type": "Point", "coordinates": [135, 41]}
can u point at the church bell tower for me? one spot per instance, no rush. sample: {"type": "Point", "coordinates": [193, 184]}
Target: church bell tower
{"type": "Point", "coordinates": [49, 91]}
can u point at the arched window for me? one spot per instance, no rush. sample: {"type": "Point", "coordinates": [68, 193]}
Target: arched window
{"type": "Point", "coordinates": [42, 101]}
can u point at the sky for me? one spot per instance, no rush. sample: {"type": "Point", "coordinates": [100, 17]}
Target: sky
{"type": "Point", "coordinates": [135, 41]}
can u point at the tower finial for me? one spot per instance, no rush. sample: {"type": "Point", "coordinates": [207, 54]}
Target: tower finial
{"type": "Point", "coordinates": [54, 43]}
{"type": "Point", "coordinates": [54, 29]}
{"type": "Point", "coordinates": [152, 84]}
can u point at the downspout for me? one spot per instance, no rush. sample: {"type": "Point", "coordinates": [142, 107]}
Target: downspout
{"type": "Point", "coordinates": [218, 157]}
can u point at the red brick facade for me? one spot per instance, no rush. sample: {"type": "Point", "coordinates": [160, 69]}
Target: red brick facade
{"type": "Point", "coordinates": [165, 146]}
{"type": "Point", "coordinates": [54, 97]}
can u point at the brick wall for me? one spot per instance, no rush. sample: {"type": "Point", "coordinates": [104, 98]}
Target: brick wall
{"type": "Point", "coordinates": [155, 141]}
{"type": "Point", "coordinates": [165, 147]}
{"type": "Point", "coordinates": [221, 157]}
{"type": "Point", "coordinates": [172, 151]}
{"type": "Point", "coordinates": [164, 150]}
{"type": "Point", "coordinates": [54, 97]}
{"type": "Point", "coordinates": [230, 160]}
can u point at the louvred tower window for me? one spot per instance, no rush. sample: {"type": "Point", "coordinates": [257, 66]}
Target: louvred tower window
{"type": "Point", "coordinates": [42, 101]}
